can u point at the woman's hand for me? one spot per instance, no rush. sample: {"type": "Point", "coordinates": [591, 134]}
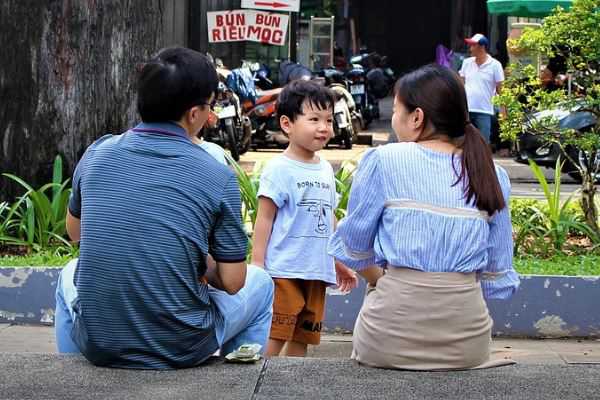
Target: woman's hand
{"type": "Point", "coordinates": [372, 274]}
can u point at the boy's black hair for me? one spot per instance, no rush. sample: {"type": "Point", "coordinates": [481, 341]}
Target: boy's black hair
{"type": "Point", "coordinates": [295, 93]}
{"type": "Point", "coordinates": [173, 81]}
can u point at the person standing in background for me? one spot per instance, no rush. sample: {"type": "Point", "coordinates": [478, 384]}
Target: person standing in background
{"type": "Point", "coordinates": [483, 76]}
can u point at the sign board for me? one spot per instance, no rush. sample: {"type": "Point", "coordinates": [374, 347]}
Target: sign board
{"type": "Point", "coordinates": [273, 5]}
{"type": "Point", "coordinates": [239, 25]}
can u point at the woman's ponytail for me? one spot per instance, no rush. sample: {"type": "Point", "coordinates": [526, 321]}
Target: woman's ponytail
{"type": "Point", "coordinates": [478, 173]}
{"type": "Point", "coordinates": [439, 92]}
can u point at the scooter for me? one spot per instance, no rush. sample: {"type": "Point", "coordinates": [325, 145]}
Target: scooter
{"type": "Point", "coordinates": [371, 70]}
{"type": "Point", "coordinates": [342, 119]}
{"type": "Point", "coordinates": [359, 90]}
{"type": "Point", "coordinates": [227, 126]}
{"type": "Point", "coordinates": [262, 114]}
{"type": "Point", "coordinates": [347, 119]}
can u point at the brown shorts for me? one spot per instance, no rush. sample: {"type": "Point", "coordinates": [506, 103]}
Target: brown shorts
{"type": "Point", "coordinates": [298, 310]}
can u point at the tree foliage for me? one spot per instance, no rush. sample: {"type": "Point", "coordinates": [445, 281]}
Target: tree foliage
{"type": "Point", "coordinates": [572, 36]}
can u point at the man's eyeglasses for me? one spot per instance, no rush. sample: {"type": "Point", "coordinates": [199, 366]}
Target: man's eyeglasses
{"type": "Point", "coordinates": [210, 105]}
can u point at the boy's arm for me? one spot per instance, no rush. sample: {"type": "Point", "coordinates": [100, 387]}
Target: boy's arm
{"type": "Point", "coordinates": [263, 226]}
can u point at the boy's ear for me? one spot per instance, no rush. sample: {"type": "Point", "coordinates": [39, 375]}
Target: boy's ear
{"type": "Point", "coordinates": [285, 123]}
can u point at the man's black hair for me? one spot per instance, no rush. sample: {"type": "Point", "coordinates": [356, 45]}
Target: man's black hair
{"type": "Point", "coordinates": [173, 81]}
{"type": "Point", "coordinates": [295, 93]}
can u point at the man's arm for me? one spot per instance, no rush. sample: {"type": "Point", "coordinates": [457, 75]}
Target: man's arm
{"type": "Point", "coordinates": [267, 210]}
{"type": "Point", "coordinates": [228, 243]}
{"type": "Point", "coordinates": [73, 227]}
{"type": "Point", "coordinates": [229, 277]}
{"type": "Point", "coordinates": [498, 87]}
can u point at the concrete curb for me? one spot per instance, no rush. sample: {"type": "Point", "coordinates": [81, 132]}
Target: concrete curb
{"type": "Point", "coordinates": [544, 306]}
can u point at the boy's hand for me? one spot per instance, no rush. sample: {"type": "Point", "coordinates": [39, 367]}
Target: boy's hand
{"type": "Point", "coordinates": [346, 278]}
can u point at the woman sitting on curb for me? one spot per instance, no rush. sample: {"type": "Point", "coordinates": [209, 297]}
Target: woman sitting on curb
{"type": "Point", "coordinates": [428, 227]}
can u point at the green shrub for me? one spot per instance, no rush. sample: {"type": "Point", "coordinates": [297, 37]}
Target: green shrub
{"type": "Point", "coordinates": [343, 185]}
{"type": "Point", "coordinates": [545, 228]}
{"type": "Point", "coordinates": [37, 218]}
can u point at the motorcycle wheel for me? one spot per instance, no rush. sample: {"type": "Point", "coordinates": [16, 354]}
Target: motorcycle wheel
{"type": "Point", "coordinates": [233, 148]}
{"type": "Point", "coordinates": [246, 137]}
{"type": "Point", "coordinates": [581, 157]}
{"type": "Point", "coordinates": [347, 138]}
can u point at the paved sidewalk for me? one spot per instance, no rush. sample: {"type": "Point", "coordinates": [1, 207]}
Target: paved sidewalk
{"type": "Point", "coordinates": [40, 339]}
{"type": "Point", "coordinates": [546, 369]}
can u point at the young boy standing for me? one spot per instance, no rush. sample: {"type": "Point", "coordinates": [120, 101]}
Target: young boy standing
{"type": "Point", "coordinates": [295, 219]}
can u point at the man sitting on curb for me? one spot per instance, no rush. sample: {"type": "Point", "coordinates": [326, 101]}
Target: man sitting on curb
{"type": "Point", "coordinates": [149, 207]}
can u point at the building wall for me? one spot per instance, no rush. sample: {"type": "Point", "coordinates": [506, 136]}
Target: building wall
{"type": "Point", "coordinates": [230, 53]}
{"type": "Point", "coordinates": [408, 32]}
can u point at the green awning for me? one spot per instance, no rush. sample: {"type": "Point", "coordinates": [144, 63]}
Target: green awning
{"type": "Point", "coordinates": [526, 8]}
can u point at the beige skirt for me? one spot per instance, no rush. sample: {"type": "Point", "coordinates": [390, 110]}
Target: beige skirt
{"type": "Point", "coordinates": [424, 321]}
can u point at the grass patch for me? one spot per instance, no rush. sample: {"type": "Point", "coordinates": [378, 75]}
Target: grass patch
{"type": "Point", "coordinates": [575, 265]}
{"type": "Point", "coordinates": [41, 259]}
{"type": "Point", "coordinates": [579, 265]}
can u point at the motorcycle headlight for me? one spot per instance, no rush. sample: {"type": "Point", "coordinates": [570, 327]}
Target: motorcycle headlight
{"type": "Point", "coordinates": [543, 151]}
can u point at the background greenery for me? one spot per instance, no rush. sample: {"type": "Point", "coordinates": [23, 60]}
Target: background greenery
{"type": "Point", "coordinates": [550, 235]}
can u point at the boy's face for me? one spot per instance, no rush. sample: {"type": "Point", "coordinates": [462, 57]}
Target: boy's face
{"type": "Point", "coordinates": [312, 129]}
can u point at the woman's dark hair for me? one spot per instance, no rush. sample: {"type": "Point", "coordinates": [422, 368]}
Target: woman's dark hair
{"type": "Point", "coordinates": [173, 81]}
{"type": "Point", "coordinates": [441, 95]}
{"type": "Point", "coordinates": [295, 93]}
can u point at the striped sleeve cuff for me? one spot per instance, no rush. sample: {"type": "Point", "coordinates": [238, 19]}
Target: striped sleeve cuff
{"type": "Point", "coordinates": [503, 287]}
{"type": "Point", "coordinates": [355, 259]}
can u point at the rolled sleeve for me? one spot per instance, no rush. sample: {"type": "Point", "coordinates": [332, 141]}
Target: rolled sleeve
{"type": "Point", "coordinates": [504, 280]}
{"type": "Point", "coordinates": [229, 241]}
{"type": "Point", "coordinates": [269, 187]}
{"type": "Point", "coordinates": [353, 242]}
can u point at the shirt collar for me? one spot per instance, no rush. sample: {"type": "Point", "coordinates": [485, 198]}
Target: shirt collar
{"type": "Point", "coordinates": [161, 128]}
{"type": "Point", "coordinates": [488, 59]}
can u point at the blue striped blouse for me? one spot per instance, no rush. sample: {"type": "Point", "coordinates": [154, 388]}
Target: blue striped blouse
{"type": "Point", "coordinates": [404, 210]}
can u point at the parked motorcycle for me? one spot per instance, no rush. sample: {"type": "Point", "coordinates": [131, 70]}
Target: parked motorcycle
{"type": "Point", "coordinates": [372, 80]}
{"type": "Point", "coordinates": [258, 106]}
{"type": "Point", "coordinates": [381, 78]}
{"type": "Point", "coordinates": [347, 119]}
{"type": "Point", "coordinates": [227, 126]}
{"type": "Point", "coordinates": [369, 110]}
{"type": "Point", "coordinates": [530, 147]}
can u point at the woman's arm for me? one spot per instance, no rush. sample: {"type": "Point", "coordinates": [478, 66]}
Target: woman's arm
{"type": "Point", "coordinates": [353, 241]}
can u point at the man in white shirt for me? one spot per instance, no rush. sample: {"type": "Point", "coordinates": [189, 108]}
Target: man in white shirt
{"type": "Point", "coordinates": [483, 76]}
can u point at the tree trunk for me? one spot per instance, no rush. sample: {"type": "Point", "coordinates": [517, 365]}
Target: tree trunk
{"type": "Point", "coordinates": [67, 77]}
{"type": "Point", "coordinates": [587, 202]}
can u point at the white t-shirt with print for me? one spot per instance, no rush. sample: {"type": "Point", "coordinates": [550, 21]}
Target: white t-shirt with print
{"type": "Point", "coordinates": [306, 200]}
{"type": "Point", "coordinates": [480, 83]}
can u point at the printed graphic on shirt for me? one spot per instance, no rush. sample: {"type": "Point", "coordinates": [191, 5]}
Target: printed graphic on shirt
{"type": "Point", "coordinates": [318, 210]}
{"type": "Point", "coordinates": [315, 209]}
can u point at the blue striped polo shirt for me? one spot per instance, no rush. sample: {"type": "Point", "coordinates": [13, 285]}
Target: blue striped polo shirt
{"type": "Point", "coordinates": [152, 204]}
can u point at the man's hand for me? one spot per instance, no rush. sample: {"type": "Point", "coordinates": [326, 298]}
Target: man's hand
{"type": "Point", "coordinates": [346, 278]}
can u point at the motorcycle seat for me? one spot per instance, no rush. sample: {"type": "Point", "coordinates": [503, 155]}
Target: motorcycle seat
{"type": "Point", "coordinates": [264, 96]}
